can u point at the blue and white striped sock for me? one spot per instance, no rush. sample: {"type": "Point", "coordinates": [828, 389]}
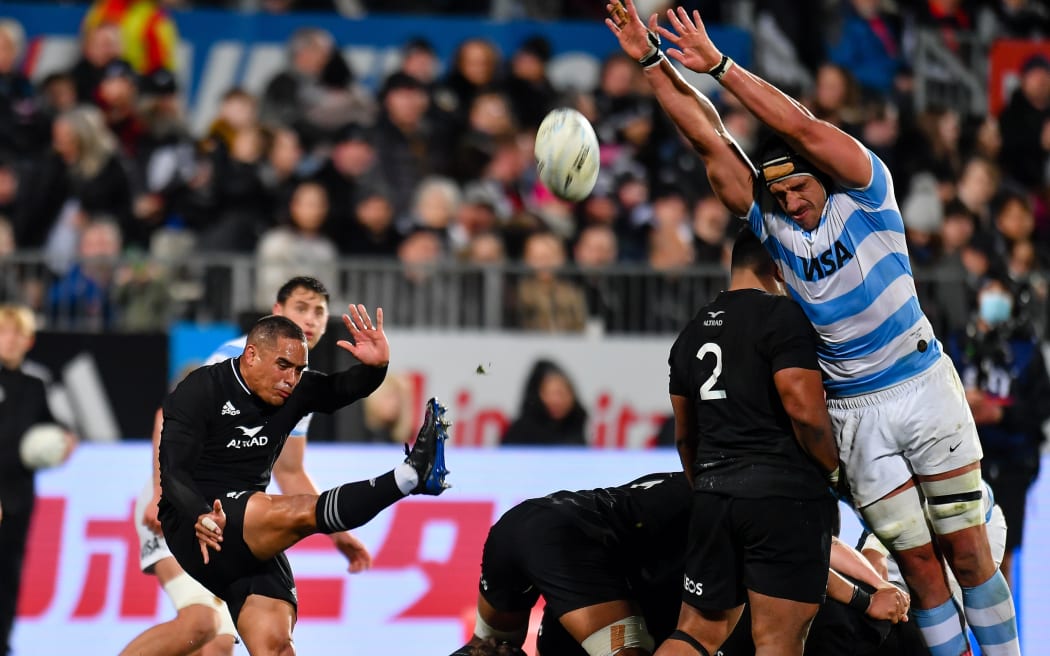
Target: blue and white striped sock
{"type": "Point", "coordinates": [942, 629]}
{"type": "Point", "coordinates": [990, 612]}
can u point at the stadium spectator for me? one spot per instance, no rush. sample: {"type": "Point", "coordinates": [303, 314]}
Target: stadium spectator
{"type": "Point", "coordinates": [1013, 19]}
{"type": "Point", "coordinates": [1025, 125]}
{"type": "Point", "coordinates": [711, 226]}
{"type": "Point", "coordinates": [836, 98]}
{"type": "Point", "coordinates": [23, 405]}
{"type": "Point", "coordinates": [406, 144]}
{"type": "Point", "coordinates": [474, 68]}
{"type": "Point", "coordinates": [83, 297]}
{"type": "Point", "coordinates": [83, 173]}
{"type": "Point", "coordinates": [100, 46]}
{"type": "Point", "coordinates": [316, 93]}
{"type": "Point", "coordinates": [297, 248]}
{"type": "Point", "coordinates": [595, 254]}
{"type": "Point", "coordinates": [551, 412]}
{"type": "Point", "coordinates": [419, 60]}
{"type": "Point", "coordinates": [545, 300]}
{"type": "Point", "coordinates": [166, 161]}
{"type": "Point", "coordinates": [280, 170]}
{"type": "Point", "coordinates": [476, 214]}
{"type": "Point", "coordinates": [19, 124]}
{"type": "Point", "coordinates": [530, 91]}
{"type": "Point", "coordinates": [868, 45]}
{"type": "Point", "coordinates": [149, 38]}
{"type": "Point", "coordinates": [117, 97]}
{"type": "Point", "coordinates": [1002, 367]}
{"type": "Point", "coordinates": [420, 293]}
{"type": "Point", "coordinates": [372, 232]}
{"type": "Point", "coordinates": [351, 166]}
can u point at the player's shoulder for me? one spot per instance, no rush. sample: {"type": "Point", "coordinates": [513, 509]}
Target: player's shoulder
{"type": "Point", "coordinates": [229, 349]}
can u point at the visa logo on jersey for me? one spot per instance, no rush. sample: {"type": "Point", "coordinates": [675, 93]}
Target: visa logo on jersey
{"type": "Point", "coordinates": [827, 263]}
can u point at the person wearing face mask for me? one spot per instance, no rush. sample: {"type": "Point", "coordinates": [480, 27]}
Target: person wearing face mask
{"type": "Point", "coordinates": [1001, 366]}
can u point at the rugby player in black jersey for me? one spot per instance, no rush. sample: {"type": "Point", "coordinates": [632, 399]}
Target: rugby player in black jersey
{"type": "Point", "coordinates": [595, 556]}
{"type": "Point", "coordinates": [224, 427]}
{"type": "Point", "coordinates": [755, 439]}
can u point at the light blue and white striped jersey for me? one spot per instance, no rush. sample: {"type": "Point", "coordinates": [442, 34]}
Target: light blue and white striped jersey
{"type": "Point", "coordinates": [852, 277]}
{"type": "Point", "coordinates": [234, 348]}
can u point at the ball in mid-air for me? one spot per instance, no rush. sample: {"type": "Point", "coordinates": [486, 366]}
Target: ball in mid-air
{"type": "Point", "coordinates": [43, 446]}
{"type": "Point", "coordinates": [567, 154]}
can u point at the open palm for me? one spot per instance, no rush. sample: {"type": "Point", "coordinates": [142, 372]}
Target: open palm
{"type": "Point", "coordinates": [369, 344]}
{"type": "Point", "coordinates": [693, 47]}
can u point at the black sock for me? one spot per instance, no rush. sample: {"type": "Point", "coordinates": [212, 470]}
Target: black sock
{"type": "Point", "coordinates": [353, 504]}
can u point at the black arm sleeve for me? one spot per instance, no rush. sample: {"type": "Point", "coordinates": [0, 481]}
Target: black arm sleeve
{"type": "Point", "coordinates": [181, 444]}
{"type": "Point", "coordinates": [789, 340]}
{"type": "Point", "coordinates": [328, 393]}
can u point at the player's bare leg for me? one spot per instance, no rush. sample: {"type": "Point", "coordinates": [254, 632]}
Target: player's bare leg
{"type": "Point", "coordinates": [509, 627]}
{"type": "Point", "coordinates": [191, 632]}
{"type": "Point", "coordinates": [700, 631]}
{"type": "Point", "coordinates": [607, 625]}
{"type": "Point", "coordinates": [955, 506]}
{"type": "Point", "coordinates": [779, 626]}
{"type": "Point", "coordinates": [265, 625]}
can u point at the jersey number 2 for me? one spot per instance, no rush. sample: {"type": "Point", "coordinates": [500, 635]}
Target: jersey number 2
{"type": "Point", "coordinates": [706, 391]}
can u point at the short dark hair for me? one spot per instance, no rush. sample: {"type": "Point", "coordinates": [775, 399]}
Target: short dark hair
{"type": "Point", "coordinates": [306, 282]}
{"type": "Point", "coordinates": [750, 254]}
{"type": "Point", "coordinates": [494, 647]}
{"type": "Point", "coordinates": [269, 329]}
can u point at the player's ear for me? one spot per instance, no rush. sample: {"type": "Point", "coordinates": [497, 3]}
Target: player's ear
{"type": "Point", "coordinates": [778, 275]}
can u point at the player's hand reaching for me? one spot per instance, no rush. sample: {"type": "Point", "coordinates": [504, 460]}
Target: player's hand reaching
{"type": "Point", "coordinates": [369, 344]}
{"type": "Point", "coordinates": [693, 47]}
{"type": "Point", "coordinates": [149, 516]}
{"type": "Point", "coordinates": [209, 529]}
{"type": "Point", "coordinates": [629, 29]}
{"type": "Point", "coordinates": [356, 552]}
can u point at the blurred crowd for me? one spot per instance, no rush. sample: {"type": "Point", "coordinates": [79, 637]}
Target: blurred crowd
{"type": "Point", "coordinates": [97, 162]}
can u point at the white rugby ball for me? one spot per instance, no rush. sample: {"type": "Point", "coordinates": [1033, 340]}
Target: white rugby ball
{"type": "Point", "coordinates": [567, 154]}
{"type": "Point", "coordinates": [43, 446]}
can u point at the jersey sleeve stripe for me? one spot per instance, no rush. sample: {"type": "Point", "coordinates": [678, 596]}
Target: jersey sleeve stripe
{"type": "Point", "coordinates": [874, 195]}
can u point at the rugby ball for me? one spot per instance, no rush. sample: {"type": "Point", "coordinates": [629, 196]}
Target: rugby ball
{"type": "Point", "coordinates": [567, 154]}
{"type": "Point", "coordinates": [43, 446]}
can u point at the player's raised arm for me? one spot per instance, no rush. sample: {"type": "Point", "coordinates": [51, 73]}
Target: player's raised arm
{"type": "Point", "coordinates": [691, 111]}
{"type": "Point", "coordinates": [367, 343]}
{"type": "Point", "coordinates": [829, 148]}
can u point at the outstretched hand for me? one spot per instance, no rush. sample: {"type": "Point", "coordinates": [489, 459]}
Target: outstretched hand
{"type": "Point", "coordinates": [629, 29]}
{"type": "Point", "coordinates": [369, 344]}
{"type": "Point", "coordinates": [356, 552]}
{"type": "Point", "coordinates": [694, 48]}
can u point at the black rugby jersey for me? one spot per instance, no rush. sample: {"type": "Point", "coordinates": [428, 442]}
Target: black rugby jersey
{"type": "Point", "coordinates": [218, 436]}
{"type": "Point", "coordinates": [632, 516]}
{"type": "Point", "coordinates": [724, 360]}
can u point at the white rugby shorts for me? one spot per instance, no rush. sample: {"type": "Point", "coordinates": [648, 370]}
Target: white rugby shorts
{"type": "Point", "coordinates": [922, 425]}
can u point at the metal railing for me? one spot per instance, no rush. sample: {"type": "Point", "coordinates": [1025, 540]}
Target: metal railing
{"type": "Point", "coordinates": [149, 295]}
{"type": "Point", "coordinates": [950, 78]}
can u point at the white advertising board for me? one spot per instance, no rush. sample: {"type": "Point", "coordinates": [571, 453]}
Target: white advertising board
{"type": "Point", "coordinates": [82, 591]}
{"type": "Point", "coordinates": [621, 381]}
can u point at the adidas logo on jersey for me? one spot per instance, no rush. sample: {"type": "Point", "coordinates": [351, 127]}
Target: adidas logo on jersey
{"type": "Point", "coordinates": [228, 409]}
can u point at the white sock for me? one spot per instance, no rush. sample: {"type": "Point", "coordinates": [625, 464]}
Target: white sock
{"type": "Point", "coordinates": [406, 478]}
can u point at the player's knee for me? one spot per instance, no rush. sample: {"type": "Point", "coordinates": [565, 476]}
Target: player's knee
{"type": "Point", "coordinates": [221, 645]}
{"type": "Point", "coordinates": [627, 636]}
{"type": "Point", "coordinates": [197, 624]}
{"type": "Point", "coordinates": [898, 521]}
{"type": "Point", "coordinates": [956, 503]}
{"type": "Point", "coordinates": [486, 631]}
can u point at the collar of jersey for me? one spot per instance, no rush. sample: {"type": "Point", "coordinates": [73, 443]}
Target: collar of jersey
{"type": "Point", "coordinates": [234, 362]}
